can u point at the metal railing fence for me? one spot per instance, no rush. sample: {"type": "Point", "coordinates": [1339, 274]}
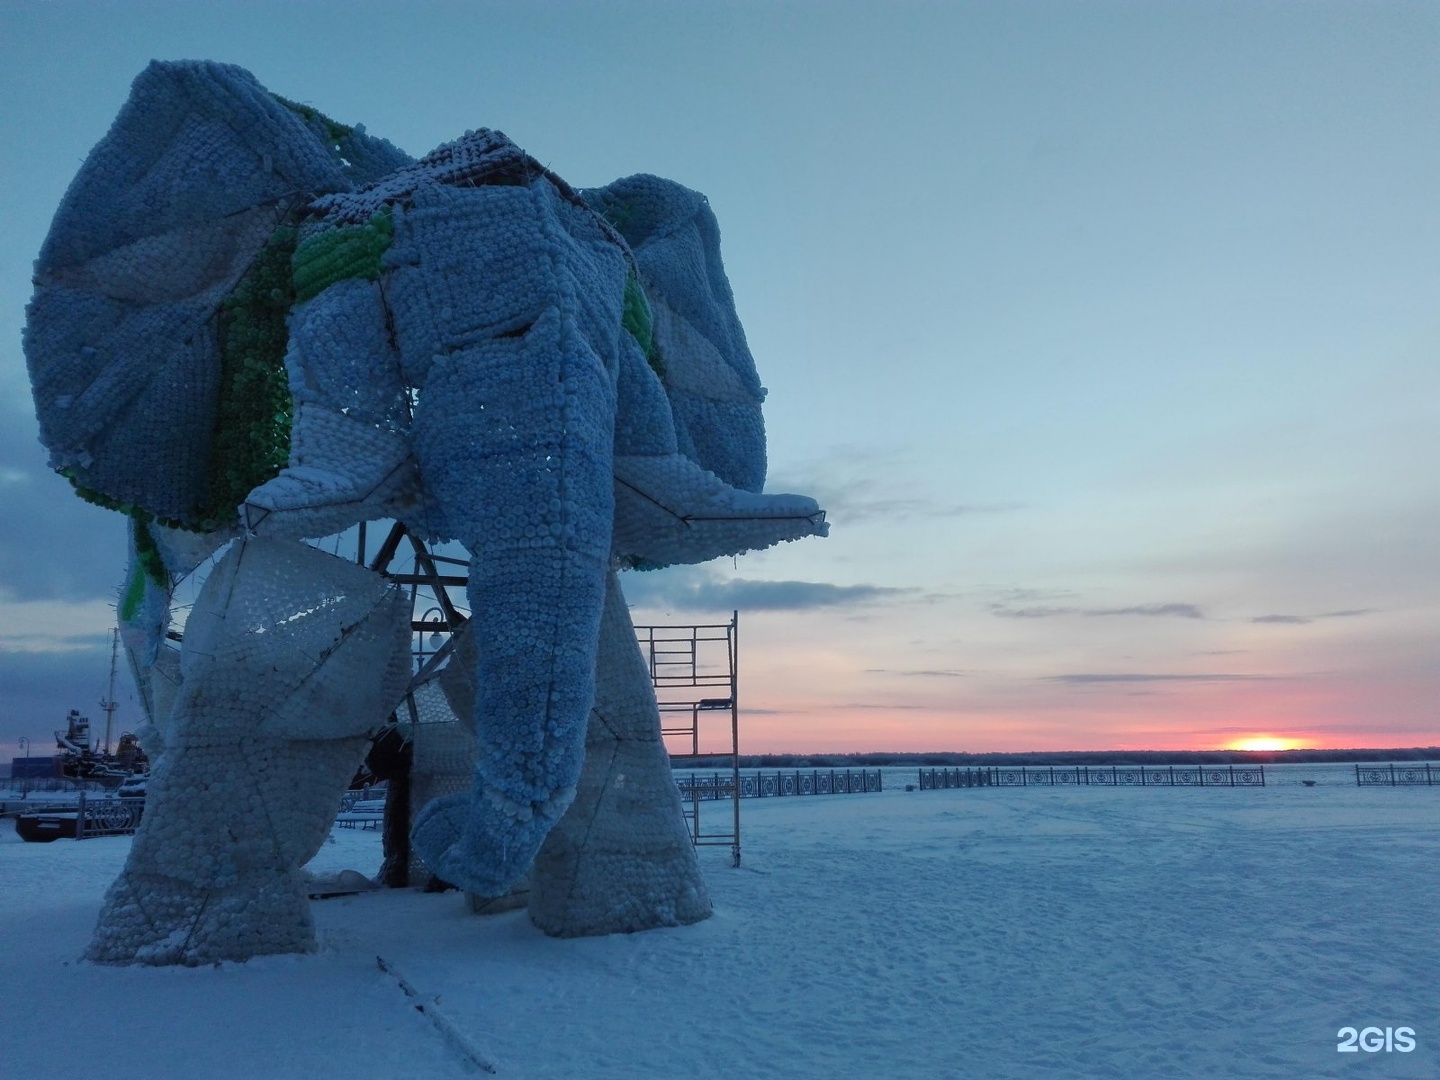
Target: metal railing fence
{"type": "Point", "coordinates": [1095, 776]}
{"type": "Point", "coordinates": [787, 782]}
{"type": "Point", "coordinates": [107, 817]}
{"type": "Point", "coordinates": [1397, 775]}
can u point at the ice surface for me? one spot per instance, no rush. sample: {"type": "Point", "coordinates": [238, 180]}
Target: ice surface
{"type": "Point", "coordinates": [1009, 934]}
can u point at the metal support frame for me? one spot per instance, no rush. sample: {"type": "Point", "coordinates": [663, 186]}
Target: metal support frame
{"type": "Point", "coordinates": [433, 611]}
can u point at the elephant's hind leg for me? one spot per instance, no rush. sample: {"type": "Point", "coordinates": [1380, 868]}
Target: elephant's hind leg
{"type": "Point", "coordinates": [212, 875]}
{"type": "Point", "coordinates": [290, 658]}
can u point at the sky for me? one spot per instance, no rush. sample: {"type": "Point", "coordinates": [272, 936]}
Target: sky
{"type": "Point", "coordinates": [1106, 333]}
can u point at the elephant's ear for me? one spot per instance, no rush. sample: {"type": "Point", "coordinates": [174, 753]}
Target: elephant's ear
{"type": "Point", "coordinates": [155, 339]}
{"type": "Point", "coordinates": [695, 339]}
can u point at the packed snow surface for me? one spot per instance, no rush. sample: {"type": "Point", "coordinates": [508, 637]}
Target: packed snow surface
{"type": "Point", "coordinates": [995, 933]}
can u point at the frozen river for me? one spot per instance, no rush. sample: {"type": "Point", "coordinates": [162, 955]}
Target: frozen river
{"type": "Point", "coordinates": [999, 933]}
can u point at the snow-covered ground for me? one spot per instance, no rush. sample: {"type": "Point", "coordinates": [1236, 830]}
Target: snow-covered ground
{"type": "Point", "coordinates": [1037, 933]}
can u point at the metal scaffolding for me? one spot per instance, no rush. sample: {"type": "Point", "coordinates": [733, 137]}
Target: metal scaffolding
{"type": "Point", "coordinates": [695, 671]}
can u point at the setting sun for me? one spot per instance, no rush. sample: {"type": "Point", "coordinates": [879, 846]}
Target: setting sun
{"type": "Point", "coordinates": [1265, 742]}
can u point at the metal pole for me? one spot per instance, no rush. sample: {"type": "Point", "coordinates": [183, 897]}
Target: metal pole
{"type": "Point", "coordinates": [735, 723]}
{"type": "Point", "coordinates": [109, 703]}
{"type": "Point", "coordinates": [25, 787]}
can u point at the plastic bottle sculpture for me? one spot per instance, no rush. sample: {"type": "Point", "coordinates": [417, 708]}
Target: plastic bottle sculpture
{"type": "Point", "coordinates": [254, 326]}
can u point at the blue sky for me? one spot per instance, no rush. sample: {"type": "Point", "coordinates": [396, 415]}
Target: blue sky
{"type": "Point", "coordinates": [1106, 332]}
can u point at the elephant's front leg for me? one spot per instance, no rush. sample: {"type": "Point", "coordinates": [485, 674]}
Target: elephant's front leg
{"type": "Point", "coordinates": [291, 657]}
{"type": "Point", "coordinates": [621, 858]}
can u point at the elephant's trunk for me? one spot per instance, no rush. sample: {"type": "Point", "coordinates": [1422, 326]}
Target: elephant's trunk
{"type": "Point", "coordinates": [514, 435]}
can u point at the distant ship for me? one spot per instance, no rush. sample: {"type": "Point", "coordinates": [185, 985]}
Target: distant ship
{"type": "Point", "coordinates": [78, 759]}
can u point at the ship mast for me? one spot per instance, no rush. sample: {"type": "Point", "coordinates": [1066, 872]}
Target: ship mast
{"type": "Point", "coordinates": [108, 702]}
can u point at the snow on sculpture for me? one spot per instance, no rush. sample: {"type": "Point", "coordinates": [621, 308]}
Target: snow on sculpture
{"type": "Point", "coordinates": [255, 326]}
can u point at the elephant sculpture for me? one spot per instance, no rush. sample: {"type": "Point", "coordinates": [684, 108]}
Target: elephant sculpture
{"type": "Point", "coordinates": [253, 327]}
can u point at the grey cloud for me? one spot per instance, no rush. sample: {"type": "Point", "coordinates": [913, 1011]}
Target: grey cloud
{"type": "Point", "coordinates": [1135, 677]}
{"type": "Point", "coordinates": [871, 509]}
{"type": "Point", "coordinates": [883, 707]}
{"type": "Point", "coordinates": [783, 595]}
{"type": "Point", "coordinates": [1008, 595]}
{"type": "Point", "coordinates": [865, 499]}
{"type": "Point", "coordinates": [1301, 620]}
{"type": "Point", "coordinates": [1179, 611]}
{"type": "Point", "coordinates": [686, 589]}
{"type": "Point", "coordinates": [1032, 612]}
{"type": "Point", "coordinates": [943, 673]}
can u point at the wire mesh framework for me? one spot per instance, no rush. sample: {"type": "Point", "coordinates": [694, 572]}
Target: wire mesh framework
{"type": "Point", "coordinates": [695, 671]}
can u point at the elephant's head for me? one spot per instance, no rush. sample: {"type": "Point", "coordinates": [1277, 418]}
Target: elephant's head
{"type": "Point", "coordinates": [242, 302]}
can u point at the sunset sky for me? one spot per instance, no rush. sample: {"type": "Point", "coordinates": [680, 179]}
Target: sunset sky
{"type": "Point", "coordinates": [1107, 333]}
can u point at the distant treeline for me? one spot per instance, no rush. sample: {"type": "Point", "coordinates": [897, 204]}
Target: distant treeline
{"type": "Point", "coordinates": [1066, 757]}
